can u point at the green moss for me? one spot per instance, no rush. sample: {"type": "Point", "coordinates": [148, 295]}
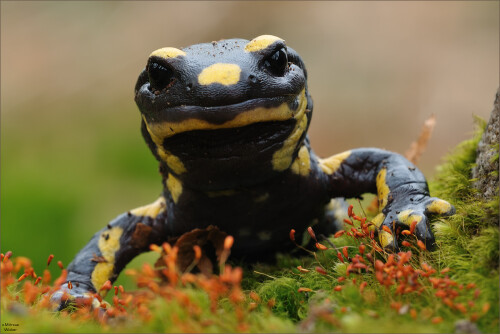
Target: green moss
{"type": "Point", "coordinates": [469, 240]}
{"type": "Point", "coordinates": [468, 235]}
{"type": "Point", "coordinates": [288, 302]}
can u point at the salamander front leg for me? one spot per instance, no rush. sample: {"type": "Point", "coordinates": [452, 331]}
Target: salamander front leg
{"type": "Point", "coordinates": [402, 191]}
{"type": "Point", "coordinates": [109, 251]}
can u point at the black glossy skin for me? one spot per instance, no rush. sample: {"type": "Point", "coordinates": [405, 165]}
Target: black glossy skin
{"type": "Point", "coordinates": [229, 178]}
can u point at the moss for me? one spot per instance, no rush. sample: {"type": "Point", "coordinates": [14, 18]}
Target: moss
{"type": "Point", "coordinates": [468, 234]}
{"type": "Point", "coordinates": [469, 240]}
{"type": "Point", "coordinates": [288, 302]}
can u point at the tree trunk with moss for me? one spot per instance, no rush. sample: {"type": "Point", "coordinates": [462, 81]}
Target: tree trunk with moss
{"type": "Point", "coordinates": [485, 172]}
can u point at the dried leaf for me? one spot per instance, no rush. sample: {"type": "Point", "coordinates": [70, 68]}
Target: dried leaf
{"type": "Point", "coordinates": [140, 237]}
{"type": "Point", "coordinates": [208, 240]}
{"type": "Point", "coordinates": [418, 147]}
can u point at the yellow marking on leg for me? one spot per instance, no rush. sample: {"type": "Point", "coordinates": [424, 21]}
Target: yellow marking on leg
{"type": "Point", "coordinates": [385, 238]}
{"type": "Point", "coordinates": [302, 164]}
{"type": "Point", "coordinates": [407, 218]}
{"type": "Point", "coordinates": [151, 210]}
{"type": "Point", "coordinates": [174, 186]}
{"type": "Point", "coordinates": [109, 244]}
{"type": "Point", "coordinates": [261, 42]}
{"type": "Point", "coordinates": [167, 53]}
{"type": "Point", "coordinates": [224, 74]}
{"type": "Point", "coordinates": [382, 189]}
{"type": "Point", "coordinates": [439, 206]}
{"type": "Point", "coordinates": [331, 164]}
{"type": "Point", "coordinates": [403, 216]}
{"type": "Point", "coordinates": [413, 218]}
{"type": "Point", "coordinates": [161, 130]}
{"type": "Point", "coordinates": [282, 158]}
{"type": "Point", "coordinates": [378, 219]}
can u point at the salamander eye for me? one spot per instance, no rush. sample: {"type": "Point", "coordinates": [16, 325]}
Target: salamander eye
{"type": "Point", "coordinates": [277, 63]}
{"type": "Point", "coordinates": [159, 75]}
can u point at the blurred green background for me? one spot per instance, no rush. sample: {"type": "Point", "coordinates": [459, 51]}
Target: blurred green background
{"type": "Point", "coordinates": [72, 157]}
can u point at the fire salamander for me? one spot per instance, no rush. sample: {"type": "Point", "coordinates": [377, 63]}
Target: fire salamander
{"type": "Point", "coordinates": [228, 122]}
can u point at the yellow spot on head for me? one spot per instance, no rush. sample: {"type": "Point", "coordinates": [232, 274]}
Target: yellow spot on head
{"type": "Point", "coordinates": [167, 53]}
{"type": "Point", "coordinates": [224, 74]}
{"type": "Point", "coordinates": [174, 186]}
{"type": "Point", "coordinates": [385, 238]}
{"type": "Point", "coordinates": [109, 244]}
{"type": "Point", "coordinates": [261, 42]}
{"type": "Point", "coordinates": [331, 164]}
{"type": "Point", "coordinates": [302, 164]}
{"type": "Point", "coordinates": [151, 210]}
{"type": "Point", "coordinates": [439, 206]}
{"type": "Point", "coordinates": [382, 189]}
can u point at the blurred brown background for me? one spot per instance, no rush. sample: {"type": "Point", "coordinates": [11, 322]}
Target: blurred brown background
{"type": "Point", "coordinates": [72, 155]}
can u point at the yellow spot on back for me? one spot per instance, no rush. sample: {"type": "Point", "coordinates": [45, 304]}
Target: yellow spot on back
{"type": "Point", "coordinates": [439, 206]}
{"type": "Point", "coordinates": [302, 164]}
{"type": "Point", "coordinates": [167, 53]}
{"type": "Point", "coordinates": [282, 158]}
{"type": "Point", "coordinates": [108, 247]}
{"type": "Point", "coordinates": [224, 74]}
{"type": "Point", "coordinates": [151, 210]}
{"type": "Point", "coordinates": [382, 189]}
{"type": "Point", "coordinates": [174, 186]}
{"type": "Point", "coordinates": [331, 164]}
{"type": "Point", "coordinates": [261, 42]}
{"type": "Point", "coordinates": [385, 238]}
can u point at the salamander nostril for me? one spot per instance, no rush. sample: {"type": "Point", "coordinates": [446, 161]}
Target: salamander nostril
{"type": "Point", "coordinates": [277, 63]}
{"type": "Point", "coordinates": [189, 86]}
{"type": "Point", "coordinates": [252, 78]}
{"type": "Point", "coordinates": [159, 75]}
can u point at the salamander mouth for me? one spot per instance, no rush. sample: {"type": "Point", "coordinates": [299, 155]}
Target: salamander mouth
{"type": "Point", "coordinates": [176, 120]}
{"type": "Point", "coordinates": [250, 140]}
